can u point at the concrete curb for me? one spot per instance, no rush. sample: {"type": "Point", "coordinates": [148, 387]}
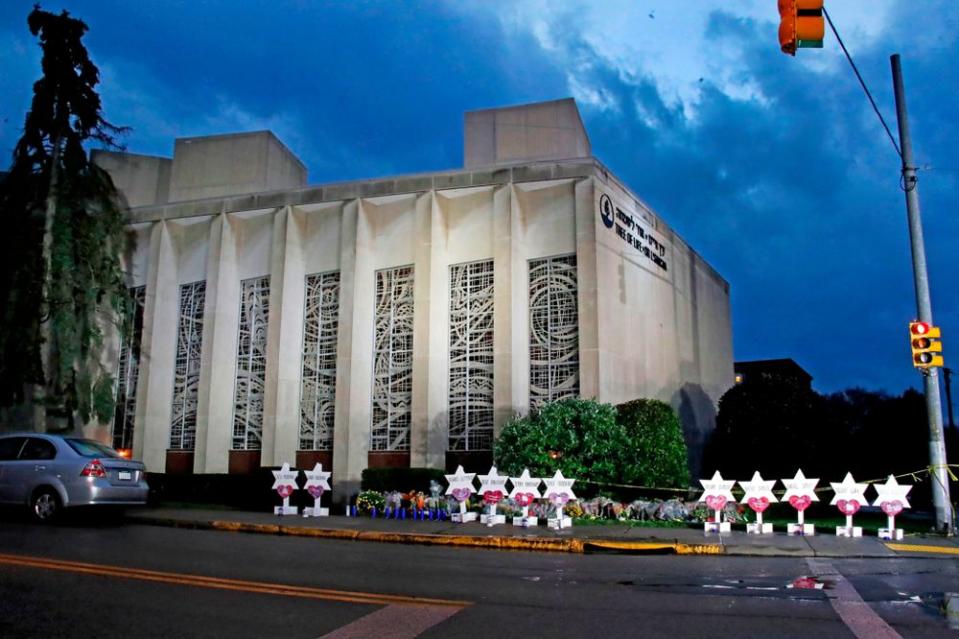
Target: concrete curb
{"type": "Point", "coordinates": [537, 544]}
{"type": "Point", "coordinates": [527, 543]}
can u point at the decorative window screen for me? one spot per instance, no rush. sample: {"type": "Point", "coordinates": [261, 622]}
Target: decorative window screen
{"type": "Point", "coordinates": [186, 369]}
{"type": "Point", "coordinates": [128, 371]}
{"type": "Point", "coordinates": [251, 363]}
{"type": "Point", "coordinates": [471, 356]}
{"type": "Point", "coordinates": [318, 385]}
{"type": "Point", "coordinates": [553, 330]}
{"type": "Point", "coordinates": [392, 360]}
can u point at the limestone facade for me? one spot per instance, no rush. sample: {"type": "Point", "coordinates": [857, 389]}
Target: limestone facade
{"type": "Point", "coordinates": [400, 321]}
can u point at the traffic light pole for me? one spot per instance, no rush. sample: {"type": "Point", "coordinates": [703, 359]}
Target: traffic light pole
{"type": "Point", "coordinates": [937, 450]}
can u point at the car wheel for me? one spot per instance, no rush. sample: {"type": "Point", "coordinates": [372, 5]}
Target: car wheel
{"type": "Point", "coordinates": [45, 505]}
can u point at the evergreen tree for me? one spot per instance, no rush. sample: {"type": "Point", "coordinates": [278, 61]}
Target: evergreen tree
{"type": "Point", "coordinates": [61, 281]}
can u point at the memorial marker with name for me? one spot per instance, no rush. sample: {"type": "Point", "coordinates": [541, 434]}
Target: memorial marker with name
{"type": "Point", "coordinates": [800, 494]}
{"type": "Point", "coordinates": [460, 488]}
{"type": "Point", "coordinates": [525, 492]}
{"type": "Point", "coordinates": [849, 497]}
{"type": "Point", "coordinates": [891, 499]}
{"type": "Point", "coordinates": [284, 484]}
{"type": "Point", "coordinates": [759, 494]}
{"type": "Point", "coordinates": [316, 485]}
{"type": "Point", "coordinates": [492, 489]}
{"type": "Point", "coordinates": [559, 491]}
{"type": "Point", "coordinates": [717, 492]}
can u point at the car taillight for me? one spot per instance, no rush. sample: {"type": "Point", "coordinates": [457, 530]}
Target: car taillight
{"type": "Point", "coordinates": [93, 469]}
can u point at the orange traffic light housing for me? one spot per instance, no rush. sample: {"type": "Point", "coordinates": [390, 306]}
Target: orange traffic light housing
{"type": "Point", "coordinates": [801, 25]}
{"type": "Point", "coordinates": [926, 345]}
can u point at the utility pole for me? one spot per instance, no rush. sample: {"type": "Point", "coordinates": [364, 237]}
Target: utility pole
{"type": "Point", "coordinates": [947, 374]}
{"type": "Point", "coordinates": [937, 449]}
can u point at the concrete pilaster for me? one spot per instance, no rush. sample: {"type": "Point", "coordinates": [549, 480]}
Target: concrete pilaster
{"type": "Point", "coordinates": [519, 306]}
{"type": "Point", "coordinates": [351, 433]}
{"type": "Point", "coordinates": [432, 432]}
{"type": "Point", "coordinates": [284, 340]}
{"type": "Point", "coordinates": [503, 405]}
{"type": "Point", "coordinates": [214, 426]}
{"type": "Point", "coordinates": [585, 215]}
{"type": "Point", "coordinates": [158, 350]}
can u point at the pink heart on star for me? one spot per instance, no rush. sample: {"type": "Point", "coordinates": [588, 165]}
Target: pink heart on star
{"type": "Point", "coordinates": [758, 504]}
{"type": "Point", "coordinates": [493, 496]}
{"type": "Point", "coordinates": [285, 490]}
{"type": "Point", "coordinates": [559, 499]}
{"type": "Point", "coordinates": [524, 499]}
{"type": "Point", "coordinates": [461, 494]}
{"type": "Point", "coordinates": [715, 502]}
{"type": "Point", "coordinates": [848, 506]}
{"type": "Point", "coordinates": [315, 491]}
{"type": "Point", "coordinates": [800, 502]}
{"type": "Point", "coordinates": [891, 508]}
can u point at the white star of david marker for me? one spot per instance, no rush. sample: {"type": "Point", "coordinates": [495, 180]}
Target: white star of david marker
{"type": "Point", "coordinates": [317, 477]}
{"type": "Point", "coordinates": [718, 487]}
{"type": "Point", "coordinates": [757, 488]}
{"type": "Point", "coordinates": [799, 486]}
{"type": "Point", "coordinates": [892, 491]}
{"type": "Point", "coordinates": [525, 484]}
{"type": "Point", "coordinates": [492, 482]}
{"type": "Point", "coordinates": [849, 490]}
{"type": "Point", "coordinates": [559, 485]}
{"type": "Point", "coordinates": [460, 479]}
{"type": "Point", "coordinates": [285, 476]}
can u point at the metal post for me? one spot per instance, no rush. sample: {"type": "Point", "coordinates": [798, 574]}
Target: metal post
{"type": "Point", "coordinates": [937, 448]}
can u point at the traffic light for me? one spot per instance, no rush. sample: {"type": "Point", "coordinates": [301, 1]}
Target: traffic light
{"type": "Point", "coordinates": [801, 25]}
{"type": "Point", "coordinates": [926, 345]}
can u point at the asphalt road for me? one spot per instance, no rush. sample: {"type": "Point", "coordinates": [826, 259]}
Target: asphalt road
{"type": "Point", "coordinates": [131, 581]}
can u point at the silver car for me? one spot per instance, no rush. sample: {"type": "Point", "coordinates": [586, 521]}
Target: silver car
{"type": "Point", "coordinates": [50, 472]}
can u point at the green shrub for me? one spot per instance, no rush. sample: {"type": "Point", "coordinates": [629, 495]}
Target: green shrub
{"type": "Point", "coordinates": [580, 437]}
{"type": "Point", "coordinates": [656, 454]}
{"type": "Point", "coordinates": [400, 479]}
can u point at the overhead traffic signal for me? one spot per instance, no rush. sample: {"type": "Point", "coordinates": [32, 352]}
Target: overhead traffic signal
{"type": "Point", "coordinates": [801, 25]}
{"type": "Point", "coordinates": [924, 339]}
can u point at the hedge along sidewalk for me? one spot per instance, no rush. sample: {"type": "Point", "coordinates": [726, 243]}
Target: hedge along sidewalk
{"type": "Point", "coordinates": [577, 540]}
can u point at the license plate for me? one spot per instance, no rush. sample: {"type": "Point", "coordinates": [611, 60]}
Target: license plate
{"type": "Point", "coordinates": [126, 475]}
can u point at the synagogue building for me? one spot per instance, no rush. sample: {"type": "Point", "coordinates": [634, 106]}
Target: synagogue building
{"type": "Point", "coordinates": [400, 321]}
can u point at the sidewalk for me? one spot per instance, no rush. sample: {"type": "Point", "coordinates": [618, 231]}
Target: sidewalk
{"type": "Point", "coordinates": [579, 539]}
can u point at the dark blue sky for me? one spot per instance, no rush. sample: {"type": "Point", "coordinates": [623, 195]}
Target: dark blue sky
{"type": "Point", "coordinates": [774, 168]}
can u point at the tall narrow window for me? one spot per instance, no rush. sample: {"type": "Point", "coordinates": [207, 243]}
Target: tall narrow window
{"type": "Point", "coordinates": [251, 363]}
{"type": "Point", "coordinates": [186, 368]}
{"type": "Point", "coordinates": [128, 371]}
{"type": "Point", "coordinates": [318, 381]}
{"type": "Point", "coordinates": [392, 360]}
{"type": "Point", "coordinates": [471, 356]}
{"type": "Point", "coordinates": [553, 330]}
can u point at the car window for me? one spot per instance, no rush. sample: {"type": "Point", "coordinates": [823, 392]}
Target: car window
{"type": "Point", "coordinates": [10, 447]}
{"type": "Point", "coordinates": [90, 448]}
{"type": "Point", "coordinates": [36, 448]}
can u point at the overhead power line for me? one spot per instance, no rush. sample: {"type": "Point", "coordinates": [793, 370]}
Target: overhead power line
{"type": "Point", "coordinates": [863, 83]}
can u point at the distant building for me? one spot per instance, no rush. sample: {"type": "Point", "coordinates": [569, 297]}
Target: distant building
{"type": "Point", "coordinates": [400, 321]}
{"type": "Point", "coordinates": [768, 368]}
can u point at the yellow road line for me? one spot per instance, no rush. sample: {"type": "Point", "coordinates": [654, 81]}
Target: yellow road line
{"type": "Point", "coordinates": [945, 550]}
{"type": "Point", "coordinates": [201, 581]}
